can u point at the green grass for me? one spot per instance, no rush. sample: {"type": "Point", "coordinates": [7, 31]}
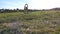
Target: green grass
{"type": "Point", "coordinates": [38, 22]}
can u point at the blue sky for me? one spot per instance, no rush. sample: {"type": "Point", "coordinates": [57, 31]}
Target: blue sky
{"type": "Point", "coordinates": [33, 4]}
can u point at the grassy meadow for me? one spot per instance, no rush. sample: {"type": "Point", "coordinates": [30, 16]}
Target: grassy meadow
{"type": "Point", "coordinates": [38, 22]}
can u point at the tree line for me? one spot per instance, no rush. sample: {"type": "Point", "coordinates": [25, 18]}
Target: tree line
{"type": "Point", "coordinates": [22, 10]}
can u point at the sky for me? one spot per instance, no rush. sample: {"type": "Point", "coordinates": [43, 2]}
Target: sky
{"type": "Point", "coordinates": [32, 4]}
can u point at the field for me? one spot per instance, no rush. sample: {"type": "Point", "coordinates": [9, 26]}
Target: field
{"type": "Point", "coordinates": [38, 22]}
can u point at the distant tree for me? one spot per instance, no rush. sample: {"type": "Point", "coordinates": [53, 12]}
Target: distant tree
{"type": "Point", "coordinates": [56, 9]}
{"type": "Point", "coordinates": [1, 10]}
{"type": "Point", "coordinates": [17, 9]}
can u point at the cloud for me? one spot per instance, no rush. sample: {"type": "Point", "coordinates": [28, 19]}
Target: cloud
{"type": "Point", "coordinates": [45, 4]}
